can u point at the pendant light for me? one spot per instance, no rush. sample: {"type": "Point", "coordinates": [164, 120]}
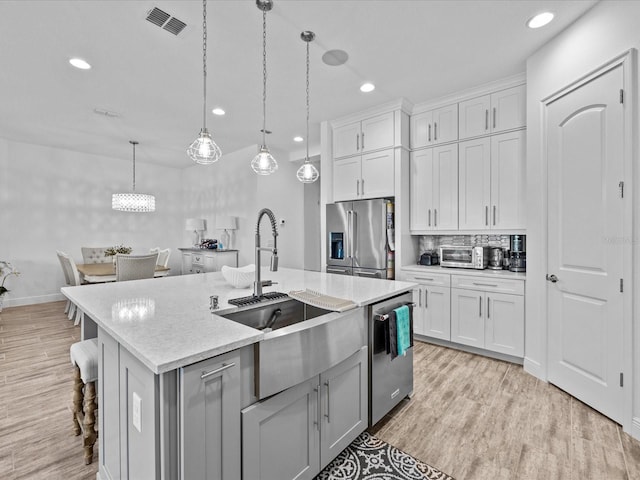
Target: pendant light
{"type": "Point", "coordinates": [204, 150]}
{"type": "Point", "coordinates": [133, 202]}
{"type": "Point", "coordinates": [264, 163]}
{"type": "Point", "coordinates": [307, 173]}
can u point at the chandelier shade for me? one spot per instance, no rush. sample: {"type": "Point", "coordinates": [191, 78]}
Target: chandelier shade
{"type": "Point", "coordinates": [133, 201]}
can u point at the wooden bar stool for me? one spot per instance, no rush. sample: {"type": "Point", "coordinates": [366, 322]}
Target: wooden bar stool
{"type": "Point", "coordinates": [84, 356]}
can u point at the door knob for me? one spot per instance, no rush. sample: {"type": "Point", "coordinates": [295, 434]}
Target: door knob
{"type": "Point", "coordinates": [552, 278]}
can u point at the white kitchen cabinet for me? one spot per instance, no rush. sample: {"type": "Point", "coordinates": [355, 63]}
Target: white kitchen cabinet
{"type": "Point", "coordinates": [203, 261]}
{"type": "Point", "coordinates": [498, 112]}
{"type": "Point", "coordinates": [295, 433]}
{"type": "Point", "coordinates": [433, 183]}
{"type": "Point", "coordinates": [374, 133]}
{"type": "Point", "coordinates": [210, 419]}
{"type": "Point", "coordinates": [434, 127]}
{"type": "Point", "coordinates": [484, 317]}
{"type": "Point", "coordinates": [432, 311]}
{"type": "Point", "coordinates": [364, 176]}
{"type": "Point", "coordinates": [492, 182]}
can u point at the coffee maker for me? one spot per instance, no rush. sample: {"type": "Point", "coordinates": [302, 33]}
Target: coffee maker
{"type": "Point", "coordinates": [518, 258]}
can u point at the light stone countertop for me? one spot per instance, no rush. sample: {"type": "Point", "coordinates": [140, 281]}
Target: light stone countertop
{"type": "Point", "coordinates": [487, 272]}
{"type": "Point", "coordinates": [166, 322]}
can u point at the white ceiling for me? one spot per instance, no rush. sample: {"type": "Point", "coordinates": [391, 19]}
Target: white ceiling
{"type": "Point", "coordinates": [419, 50]}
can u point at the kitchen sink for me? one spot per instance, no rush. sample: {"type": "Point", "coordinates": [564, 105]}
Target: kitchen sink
{"type": "Point", "coordinates": [276, 314]}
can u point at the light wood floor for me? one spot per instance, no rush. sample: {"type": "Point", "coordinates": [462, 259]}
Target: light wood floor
{"type": "Point", "coordinates": [477, 418]}
{"type": "Point", "coordinates": [473, 417]}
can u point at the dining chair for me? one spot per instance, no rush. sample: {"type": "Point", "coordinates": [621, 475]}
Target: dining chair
{"type": "Point", "coordinates": [163, 255]}
{"type": "Point", "coordinates": [95, 255]}
{"type": "Point", "coordinates": [72, 278]}
{"type": "Point", "coordinates": [135, 267]}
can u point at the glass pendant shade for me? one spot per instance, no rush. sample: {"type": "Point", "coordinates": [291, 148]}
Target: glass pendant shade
{"type": "Point", "coordinates": [307, 173]}
{"type": "Point", "coordinates": [204, 150]}
{"type": "Point", "coordinates": [133, 202]}
{"type": "Point", "coordinates": [264, 163]}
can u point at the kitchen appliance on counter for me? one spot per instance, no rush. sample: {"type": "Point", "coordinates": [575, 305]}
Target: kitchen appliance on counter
{"type": "Point", "coordinates": [464, 256]}
{"type": "Point", "coordinates": [518, 260]}
{"type": "Point", "coordinates": [390, 379]}
{"type": "Point", "coordinates": [357, 243]}
{"type": "Point", "coordinates": [495, 258]}
{"type": "Point", "coordinates": [429, 258]}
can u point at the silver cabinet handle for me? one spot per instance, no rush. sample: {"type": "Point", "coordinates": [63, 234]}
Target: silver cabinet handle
{"type": "Point", "coordinates": [362, 141]}
{"type": "Point", "coordinates": [429, 217]}
{"type": "Point", "coordinates": [429, 132]}
{"type": "Point", "coordinates": [424, 278]}
{"type": "Point", "coordinates": [494, 117]}
{"type": "Point", "coordinates": [552, 278]}
{"type": "Point", "coordinates": [426, 292]}
{"type": "Point", "coordinates": [357, 142]}
{"type": "Point", "coordinates": [486, 215]}
{"type": "Point", "coordinates": [357, 187]}
{"type": "Point", "coordinates": [419, 297]}
{"type": "Point", "coordinates": [362, 186]}
{"type": "Point", "coordinates": [480, 311]}
{"type": "Point", "coordinates": [485, 284]}
{"type": "Point", "coordinates": [435, 217]}
{"type": "Point", "coordinates": [486, 119]}
{"type": "Point", "coordinates": [317, 420]}
{"type": "Point", "coordinates": [494, 215]}
{"type": "Point", "coordinates": [217, 370]}
{"type": "Point", "coordinates": [488, 306]}
{"type": "Point", "coordinates": [435, 131]}
{"type": "Point", "coordinates": [326, 384]}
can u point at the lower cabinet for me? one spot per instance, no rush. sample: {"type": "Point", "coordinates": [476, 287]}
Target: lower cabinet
{"type": "Point", "coordinates": [210, 419]}
{"type": "Point", "coordinates": [203, 261]}
{"type": "Point", "coordinates": [432, 311]}
{"type": "Point", "coordinates": [295, 433]}
{"type": "Point", "coordinates": [488, 319]}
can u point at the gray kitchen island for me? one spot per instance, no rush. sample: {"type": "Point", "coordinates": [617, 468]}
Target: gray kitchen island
{"type": "Point", "coordinates": [185, 393]}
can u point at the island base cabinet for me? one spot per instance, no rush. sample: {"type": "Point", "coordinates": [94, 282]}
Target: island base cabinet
{"type": "Point", "coordinates": [210, 423]}
{"type": "Point", "coordinates": [296, 433]}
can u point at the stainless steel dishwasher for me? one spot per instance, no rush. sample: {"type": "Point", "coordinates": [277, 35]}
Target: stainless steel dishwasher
{"type": "Point", "coordinates": [389, 380]}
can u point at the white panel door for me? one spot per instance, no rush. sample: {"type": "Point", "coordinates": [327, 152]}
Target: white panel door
{"type": "Point", "coordinates": [346, 179]}
{"type": "Point", "coordinates": [508, 109]}
{"type": "Point", "coordinates": [467, 317]}
{"type": "Point", "coordinates": [346, 140]}
{"type": "Point", "coordinates": [585, 222]}
{"type": "Point", "coordinates": [377, 175]}
{"type": "Point", "coordinates": [445, 187]}
{"type": "Point", "coordinates": [474, 182]}
{"type": "Point", "coordinates": [504, 324]}
{"type": "Point", "coordinates": [508, 187]}
{"type": "Point", "coordinates": [377, 133]}
{"type": "Point", "coordinates": [418, 311]}
{"type": "Point", "coordinates": [445, 124]}
{"type": "Point", "coordinates": [421, 193]}
{"type": "Point", "coordinates": [473, 117]}
{"type": "Point", "coordinates": [437, 312]}
{"type": "Point", "coordinates": [420, 133]}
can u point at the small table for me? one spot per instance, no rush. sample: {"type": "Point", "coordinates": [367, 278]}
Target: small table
{"type": "Point", "coordinates": [106, 272]}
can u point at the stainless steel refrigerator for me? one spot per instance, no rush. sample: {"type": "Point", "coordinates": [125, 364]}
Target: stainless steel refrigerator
{"type": "Point", "coordinates": [357, 238]}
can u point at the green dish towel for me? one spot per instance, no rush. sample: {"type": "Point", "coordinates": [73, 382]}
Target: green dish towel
{"type": "Point", "coordinates": [403, 329]}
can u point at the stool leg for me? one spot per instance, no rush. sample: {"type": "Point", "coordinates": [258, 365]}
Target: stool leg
{"type": "Point", "coordinates": [89, 421]}
{"type": "Point", "coordinates": [78, 398]}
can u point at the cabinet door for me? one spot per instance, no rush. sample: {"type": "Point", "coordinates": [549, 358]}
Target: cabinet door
{"type": "Point", "coordinates": [281, 436]}
{"type": "Point", "coordinates": [344, 400]}
{"type": "Point", "coordinates": [504, 326]}
{"type": "Point", "coordinates": [377, 133]}
{"type": "Point", "coordinates": [420, 134]}
{"type": "Point", "coordinates": [467, 317]}
{"type": "Point", "coordinates": [475, 184]}
{"type": "Point", "coordinates": [437, 312]}
{"type": "Point", "coordinates": [445, 124]}
{"type": "Point", "coordinates": [508, 180]}
{"type": "Point", "coordinates": [377, 175]}
{"type": "Point", "coordinates": [346, 140]}
{"type": "Point", "coordinates": [346, 179]}
{"type": "Point", "coordinates": [445, 187]}
{"type": "Point", "coordinates": [421, 194]}
{"type": "Point", "coordinates": [210, 423]}
{"type": "Point", "coordinates": [186, 263]}
{"type": "Point", "coordinates": [473, 117]}
{"type": "Point", "coordinates": [418, 311]}
{"type": "Point", "coordinates": [508, 109]}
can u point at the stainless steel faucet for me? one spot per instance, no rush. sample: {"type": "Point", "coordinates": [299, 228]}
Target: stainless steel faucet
{"type": "Point", "coordinates": [258, 284]}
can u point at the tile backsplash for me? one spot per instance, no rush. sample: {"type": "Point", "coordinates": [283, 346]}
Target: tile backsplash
{"type": "Point", "coordinates": [433, 242]}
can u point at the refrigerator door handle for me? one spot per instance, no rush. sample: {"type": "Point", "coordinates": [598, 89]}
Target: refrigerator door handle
{"type": "Point", "coordinates": [347, 239]}
{"type": "Point", "coordinates": [352, 232]}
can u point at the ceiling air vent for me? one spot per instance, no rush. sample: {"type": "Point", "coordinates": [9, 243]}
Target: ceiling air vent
{"type": "Point", "coordinates": [165, 21]}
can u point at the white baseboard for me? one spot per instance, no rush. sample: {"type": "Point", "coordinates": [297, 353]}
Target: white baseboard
{"type": "Point", "coordinates": [534, 368]}
{"type": "Point", "coordinates": [19, 302]}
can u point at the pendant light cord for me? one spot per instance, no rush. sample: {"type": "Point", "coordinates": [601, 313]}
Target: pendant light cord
{"type": "Point", "coordinates": [134, 143]}
{"type": "Point", "coordinates": [204, 63]}
{"type": "Point", "coordinates": [264, 75]}
{"type": "Point", "coordinates": [307, 159]}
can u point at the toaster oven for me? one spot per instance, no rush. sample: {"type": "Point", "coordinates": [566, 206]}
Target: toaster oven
{"type": "Point", "coordinates": [464, 256]}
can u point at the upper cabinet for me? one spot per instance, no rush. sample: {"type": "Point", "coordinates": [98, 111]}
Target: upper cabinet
{"type": "Point", "coordinates": [370, 134]}
{"type": "Point", "coordinates": [434, 127]}
{"type": "Point", "coordinates": [498, 112]}
{"type": "Point", "coordinates": [364, 176]}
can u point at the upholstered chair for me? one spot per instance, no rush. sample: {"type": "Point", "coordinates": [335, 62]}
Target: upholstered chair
{"type": "Point", "coordinates": [95, 255]}
{"type": "Point", "coordinates": [135, 267]}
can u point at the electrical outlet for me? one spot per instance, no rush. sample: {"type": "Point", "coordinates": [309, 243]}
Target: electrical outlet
{"type": "Point", "coordinates": [137, 412]}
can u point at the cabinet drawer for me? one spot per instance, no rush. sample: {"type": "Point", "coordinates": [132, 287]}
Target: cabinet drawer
{"type": "Point", "coordinates": [427, 278]}
{"type": "Point", "coordinates": [501, 285]}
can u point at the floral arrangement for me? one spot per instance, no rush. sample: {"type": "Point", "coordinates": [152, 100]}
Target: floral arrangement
{"type": "Point", "coordinates": [117, 249]}
{"type": "Point", "coordinates": [6, 270]}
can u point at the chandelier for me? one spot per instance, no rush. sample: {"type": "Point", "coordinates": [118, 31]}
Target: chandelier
{"type": "Point", "coordinates": [133, 202]}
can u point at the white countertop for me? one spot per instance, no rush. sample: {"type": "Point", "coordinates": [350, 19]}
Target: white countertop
{"type": "Point", "coordinates": [471, 272]}
{"type": "Point", "coordinates": [173, 326]}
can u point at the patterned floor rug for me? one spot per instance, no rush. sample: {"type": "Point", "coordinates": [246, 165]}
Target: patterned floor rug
{"type": "Point", "coordinates": [369, 458]}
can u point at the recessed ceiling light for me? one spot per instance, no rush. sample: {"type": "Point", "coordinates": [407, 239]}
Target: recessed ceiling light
{"type": "Point", "coordinates": [218, 111]}
{"type": "Point", "coordinates": [79, 63]}
{"type": "Point", "coordinates": [367, 87]}
{"type": "Point", "coordinates": [540, 20]}
{"type": "Point", "coordinates": [298, 139]}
